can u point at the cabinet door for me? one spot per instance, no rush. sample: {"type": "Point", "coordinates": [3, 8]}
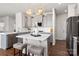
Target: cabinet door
{"type": "Point", "coordinates": [4, 41]}
{"type": "Point", "coordinates": [10, 39]}
{"type": "Point", "coordinates": [36, 19]}
{"type": "Point", "coordinates": [47, 21]}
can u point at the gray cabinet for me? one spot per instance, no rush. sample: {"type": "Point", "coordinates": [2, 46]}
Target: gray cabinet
{"type": "Point", "coordinates": [7, 40]}
{"type": "Point", "coordinates": [3, 41]}
{"type": "Point", "coordinates": [11, 39]}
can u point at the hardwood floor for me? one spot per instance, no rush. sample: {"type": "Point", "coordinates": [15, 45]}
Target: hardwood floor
{"type": "Point", "coordinates": [58, 50]}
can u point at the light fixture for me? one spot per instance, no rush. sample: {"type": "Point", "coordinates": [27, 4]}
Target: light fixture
{"type": "Point", "coordinates": [39, 11]}
{"type": "Point", "coordinates": [29, 12]}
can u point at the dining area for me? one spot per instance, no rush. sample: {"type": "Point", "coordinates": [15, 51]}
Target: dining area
{"type": "Point", "coordinates": [33, 44]}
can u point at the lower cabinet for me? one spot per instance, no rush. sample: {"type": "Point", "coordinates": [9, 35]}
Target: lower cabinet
{"type": "Point", "coordinates": [11, 40]}
{"type": "Point", "coordinates": [3, 41]}
{"type": "Point", "coordinates": [7, 40]}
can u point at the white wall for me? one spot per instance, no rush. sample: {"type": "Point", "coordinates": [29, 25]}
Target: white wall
{"type": "Point", "coordinates": [61, 27]}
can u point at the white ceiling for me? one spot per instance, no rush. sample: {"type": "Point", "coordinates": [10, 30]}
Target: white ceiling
{"type": "Point", "coordinates": [12, 8]}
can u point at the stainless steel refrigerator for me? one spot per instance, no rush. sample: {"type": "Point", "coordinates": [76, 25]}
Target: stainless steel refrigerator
{"type": "Point", "coordinates": [72, 31]}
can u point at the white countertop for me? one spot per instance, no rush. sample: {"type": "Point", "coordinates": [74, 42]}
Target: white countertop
{"type": "Point", "coordinates": [6, 33]}
{"type": "Point", "coordinates": [28, 36]}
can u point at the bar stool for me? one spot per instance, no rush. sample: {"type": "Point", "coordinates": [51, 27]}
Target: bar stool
{"type": "Point", "coordinates": [19, 46]}
{"type": "Point", "coordinates": [35, 50]}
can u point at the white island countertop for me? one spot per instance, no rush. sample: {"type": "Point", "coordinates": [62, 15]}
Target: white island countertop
{"type": "Point", "coordinates": [29, 36]}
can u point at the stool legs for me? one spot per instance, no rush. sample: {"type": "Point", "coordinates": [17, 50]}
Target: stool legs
{"type": "Point", "coordinates": [20, 52]}
{"type": "Point", "coordinates": [14, 51]}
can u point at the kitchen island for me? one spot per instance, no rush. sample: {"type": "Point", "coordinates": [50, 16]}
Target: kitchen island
{"type": "Point", "coordinates": [42, 40]}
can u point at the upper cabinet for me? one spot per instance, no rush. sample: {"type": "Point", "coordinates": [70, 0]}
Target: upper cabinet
{"type": "Point", "coordinates": [36, 20]}
{"type": "Point", "coordinates": [25, 21]}
{"type": "Point", "coordinates": [22, 22]}
{"type": "Point", "coordinates": [47, 20]}
{"type": "Point", "coordinates": [19, 21]}
{"type": "Point", "coordinates": [7, 23]}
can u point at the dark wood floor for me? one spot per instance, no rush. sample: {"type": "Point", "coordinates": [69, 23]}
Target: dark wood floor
{"type": "Point", "coordinates": [58, 50]}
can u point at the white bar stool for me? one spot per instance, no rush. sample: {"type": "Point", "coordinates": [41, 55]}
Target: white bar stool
{"type": "Point", "coordinates": [36, 50]}
{"type": "Point", "coordinates": [20, 47]}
